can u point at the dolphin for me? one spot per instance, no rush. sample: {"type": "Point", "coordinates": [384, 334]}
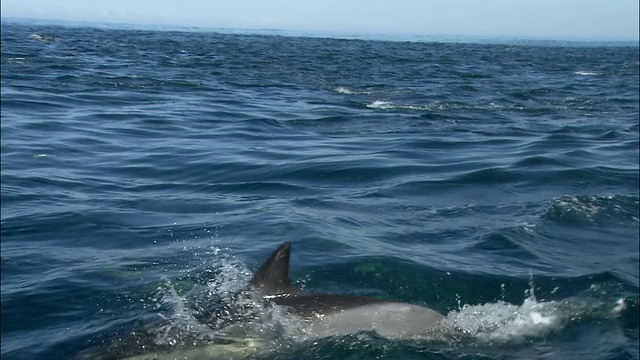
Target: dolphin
{"type": "Point", "coordinates": [326, 315]}
{"type": "Point", "coordinates": [315, 315]}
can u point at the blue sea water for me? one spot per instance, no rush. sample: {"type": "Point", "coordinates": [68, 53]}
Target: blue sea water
{"type": "Point", "coordinates": [495, 183]}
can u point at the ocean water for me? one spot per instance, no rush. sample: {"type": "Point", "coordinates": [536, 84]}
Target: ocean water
{"type": "Point", "coordinates": [148, 173]}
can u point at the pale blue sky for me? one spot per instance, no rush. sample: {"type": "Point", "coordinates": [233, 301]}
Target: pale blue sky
{"type": "Point", "coordinates": [554, 19]}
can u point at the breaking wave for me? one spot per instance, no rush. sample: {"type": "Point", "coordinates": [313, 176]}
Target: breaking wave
{"type": "Point", "coordinates": [592, 209]}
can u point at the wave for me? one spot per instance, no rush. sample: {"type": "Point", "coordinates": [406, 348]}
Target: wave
{"type": "Point", "coordinates": [380, 104]}
{"type": "Point", "coordinates": [593, 209]}
{"type": "Point", "coordinates": [347, 91]}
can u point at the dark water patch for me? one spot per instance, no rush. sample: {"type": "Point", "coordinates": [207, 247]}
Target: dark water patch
{"type": "Point", "coordinates": [475, 75]}
{"type": "Point", "coordinates": [275, 189]}
{"type": "Point", "coordinates": [328, 121]}
{"type": "Point", "coordinates": [38, 105]}
{"type": "Point", "coordinates": [532, 94]}
{"type": "Point", "coordinates": [602, 175]}
{"type": "Point", "coordinates": [468, 88]}
{"type": "Point", "coordinates": [591, 132]}
{"type": "Point", "coordinates": [612, 135]}
{"type": "Point", "coordinates": [540, 161]}
{"type": "Point", "coordinates": [501, 242]}
{"type": "Point", "coordinates": [488, 176]}
{"type": "Point", "coordinates": [436, 116]}
{"type": "Point", "coordinates": [623, 100]}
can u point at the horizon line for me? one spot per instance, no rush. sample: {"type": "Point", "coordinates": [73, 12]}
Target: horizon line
{"type": "Point", "coordinates": [338, 34]}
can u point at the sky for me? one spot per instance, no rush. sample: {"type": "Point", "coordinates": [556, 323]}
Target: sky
{"type": "Point", "coordinates": [541, 19]}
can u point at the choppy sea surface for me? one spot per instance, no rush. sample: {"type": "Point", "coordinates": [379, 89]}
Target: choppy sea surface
{"type": "Point", "coordinates": [145, 173]}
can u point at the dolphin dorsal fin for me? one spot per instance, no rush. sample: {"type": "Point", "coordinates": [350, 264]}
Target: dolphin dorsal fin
{"type": "Point", "coordinates": [273, 276]}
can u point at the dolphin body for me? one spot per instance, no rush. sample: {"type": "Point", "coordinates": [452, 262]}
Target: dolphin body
{"type": "Point", "coordinates": [325, 315]}
{"type": "Point", "coordinates": [317, 315]}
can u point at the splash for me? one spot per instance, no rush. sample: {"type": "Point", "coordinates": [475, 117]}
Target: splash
{"type": "Point", "coordinates": [217, 306]}
{"type": "Point", "coordinates": [502, 322]}
{"type": "Point", "coordinates": [181, 324]}
{"type": "Point", "coordinates": [617, 209]}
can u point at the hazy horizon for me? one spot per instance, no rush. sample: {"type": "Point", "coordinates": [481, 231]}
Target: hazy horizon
{"type": "Point", "coordinates": [592, 20]}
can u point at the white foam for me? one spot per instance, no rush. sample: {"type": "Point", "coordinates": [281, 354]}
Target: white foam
{"type": "Point", "coordinates": [343, 90]}
{"type": "Point", "coordinates": [379, 104]}
{"type": "Point", "coordinates": [415, 107]}
{"type": "Point", "coordinates": [587, 73]}
{"type": "Point", "coordinates": [347, 91]}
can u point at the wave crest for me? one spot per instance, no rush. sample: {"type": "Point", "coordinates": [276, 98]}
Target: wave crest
{"type": "Point", "coordinates": [593, 209]}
